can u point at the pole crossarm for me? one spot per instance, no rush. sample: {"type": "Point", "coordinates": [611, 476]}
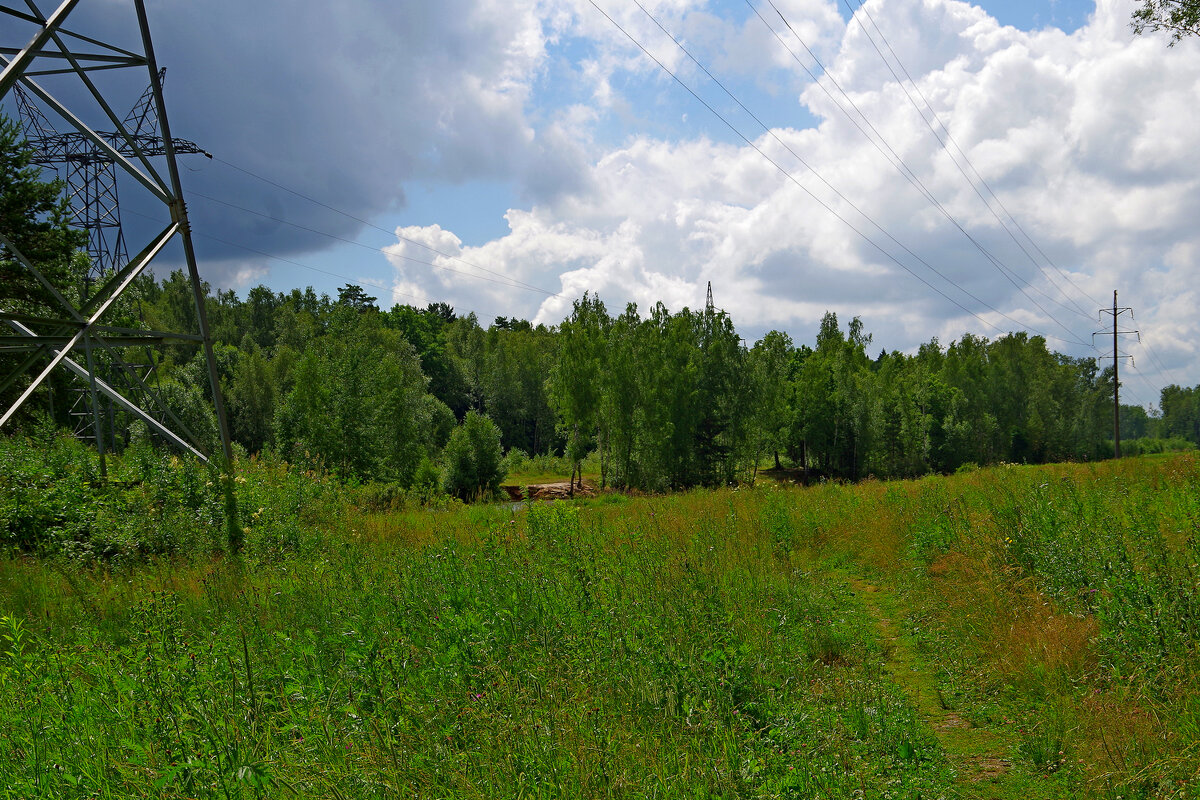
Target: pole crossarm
{"type": "Point", "coordinates": [1119, 333]}
{"type": "Point", "coordinates": [159, 190]}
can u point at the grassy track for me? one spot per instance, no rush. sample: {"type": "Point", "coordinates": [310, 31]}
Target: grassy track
{"type": "Point", "coordinates": [1017, 632]}
{"type": "Point", "coordinates": [982, 756]}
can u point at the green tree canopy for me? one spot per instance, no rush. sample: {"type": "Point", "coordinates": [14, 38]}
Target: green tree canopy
{"type": "Point", "coordinates": [474, 467]}
{"type": "Point", "coordinates": [34, 217]}
{"type": "Point", "coordinates": [1179, 18]}
{"type": "Point", "coordinates": [357, 401]}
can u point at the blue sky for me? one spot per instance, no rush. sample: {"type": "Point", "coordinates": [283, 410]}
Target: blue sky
{"type": "Point", "coordinates": [475, 210]}
{"type": "Point", "coordinates": [529, 142]}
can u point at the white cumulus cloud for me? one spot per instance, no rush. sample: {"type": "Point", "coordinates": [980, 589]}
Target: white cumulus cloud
{"type": "Point", "coordinates": [1088, 140]}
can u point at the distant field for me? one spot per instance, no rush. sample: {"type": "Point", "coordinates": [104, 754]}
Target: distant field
{"type": "Point", "coordinates": [524, 471]}
{"type": "Point", "coordinates": [1012, 632]}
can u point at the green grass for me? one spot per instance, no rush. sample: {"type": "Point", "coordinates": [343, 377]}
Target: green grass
{"type": "Point", "coordinates": [525, 470]}
{"type": "Point", "coordinates": [700, 645]}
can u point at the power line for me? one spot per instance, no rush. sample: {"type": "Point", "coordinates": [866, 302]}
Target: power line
{"type": "Point", "coordinates": [394, 233]}
{"type": "Point", "coordinates": [897, 161]}
{"type": "Point", "coordinates": [811, 169]}
{"type": "Point", "coordinates": [817, 174]}
{"type": "Point", "coordinates": [943, 142]}
{"type": "Point", "coordinates": [1154, 392]}
{"type": "Point", "coordinates": [862, 7]}
{"type": "Point", "coordinates": [1163, 368]}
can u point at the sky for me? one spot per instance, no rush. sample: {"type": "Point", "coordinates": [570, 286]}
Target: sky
{"type": "Point", "coordinates": [934, 167]}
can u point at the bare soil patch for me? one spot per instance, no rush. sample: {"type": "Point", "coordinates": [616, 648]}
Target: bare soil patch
{"type": "Point", "coordinates": [550, 491]}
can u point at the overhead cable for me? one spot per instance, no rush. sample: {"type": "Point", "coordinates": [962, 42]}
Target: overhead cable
{"type": "Point", "coordinates": [789, 176]}
{"type": "Point", "coordinates": [862, 7]}
{"type": "Point", "coordinates": [899, 163]}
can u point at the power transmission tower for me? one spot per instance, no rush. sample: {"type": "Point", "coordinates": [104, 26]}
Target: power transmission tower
{"type": "Point", "coordinates": [138, 149]}
{"type": "Point", "coordinates": [91, 173]}
{"type": "Point", "coordinates": [1116, 357]}
{"type": "Point", "coordinates": [91, 186]}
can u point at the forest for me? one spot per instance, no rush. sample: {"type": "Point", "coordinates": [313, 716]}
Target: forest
{"type": "Point", "coordinates": [430, 398]}
{"type": "Point", "coordinates": [378, 394]}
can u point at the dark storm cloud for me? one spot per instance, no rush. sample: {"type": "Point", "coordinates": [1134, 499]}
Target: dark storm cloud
{"type": "Point", "coordinates": [343, 102]}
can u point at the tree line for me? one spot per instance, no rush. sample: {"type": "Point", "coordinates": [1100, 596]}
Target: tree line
{"type": "Point", "coordinates": [426, 396]}
{"type": "Point", "coordinates": [667, 400]}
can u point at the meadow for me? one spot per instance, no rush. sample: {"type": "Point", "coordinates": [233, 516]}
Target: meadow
{"type": "Point", "coordinates": [1006, 632]}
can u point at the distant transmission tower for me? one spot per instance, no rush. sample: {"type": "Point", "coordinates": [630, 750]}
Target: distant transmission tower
{"type": "Point", "coordinates": [91, 173]}
{"type": "Point", "coordinates": [139, 149]}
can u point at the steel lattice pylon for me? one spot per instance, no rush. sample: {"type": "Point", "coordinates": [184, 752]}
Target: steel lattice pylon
{"type": "Point", "coordinates": [91, 174]}
{"type": "Point", "coordinates": [140, 150]}
{"type": "Point", "coordinates": [91, 187]}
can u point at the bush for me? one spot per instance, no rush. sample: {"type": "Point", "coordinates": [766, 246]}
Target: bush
{"type": "Point", "coordinates": [154, 503]}
{"type": "Point", "coordinates": [515, 460]}
{"type": "Point", "coordinates": [427, 483]}
{"type": "Point", "coordinates": [474, 466]}
{"type": "Point", "coordinates": [52, 501]}
{"type": "Point", "coordinates": [1150, 446]}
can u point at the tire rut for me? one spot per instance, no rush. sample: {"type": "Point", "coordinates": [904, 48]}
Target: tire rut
{"type": "Point", "coordinates": [979, 755]}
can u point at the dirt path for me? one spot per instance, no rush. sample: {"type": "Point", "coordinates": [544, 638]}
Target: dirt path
{"type": "Point", "coordinates": [980, 755]}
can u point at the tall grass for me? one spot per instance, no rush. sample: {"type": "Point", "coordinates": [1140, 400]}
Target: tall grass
{"type": "Point", "coordinates": [667, 647]}
{"type": "Point", "coordinates": [53, 503]}
{"type": "Point", "coordinates": [692, 645]}
{"type": "Point", "coordinates": [1061, 601]}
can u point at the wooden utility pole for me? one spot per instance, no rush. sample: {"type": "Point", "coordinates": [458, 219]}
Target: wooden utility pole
{"type": "Point", "coordinates": [1116, 357]}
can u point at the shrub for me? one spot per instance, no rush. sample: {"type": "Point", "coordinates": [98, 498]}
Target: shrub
{"type": "Point", "coordinates": [515, 460]}
{"type": "Point", "coordinates": [474, 466]}
{"type": "Point", "coordinates": [1150, 446]}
